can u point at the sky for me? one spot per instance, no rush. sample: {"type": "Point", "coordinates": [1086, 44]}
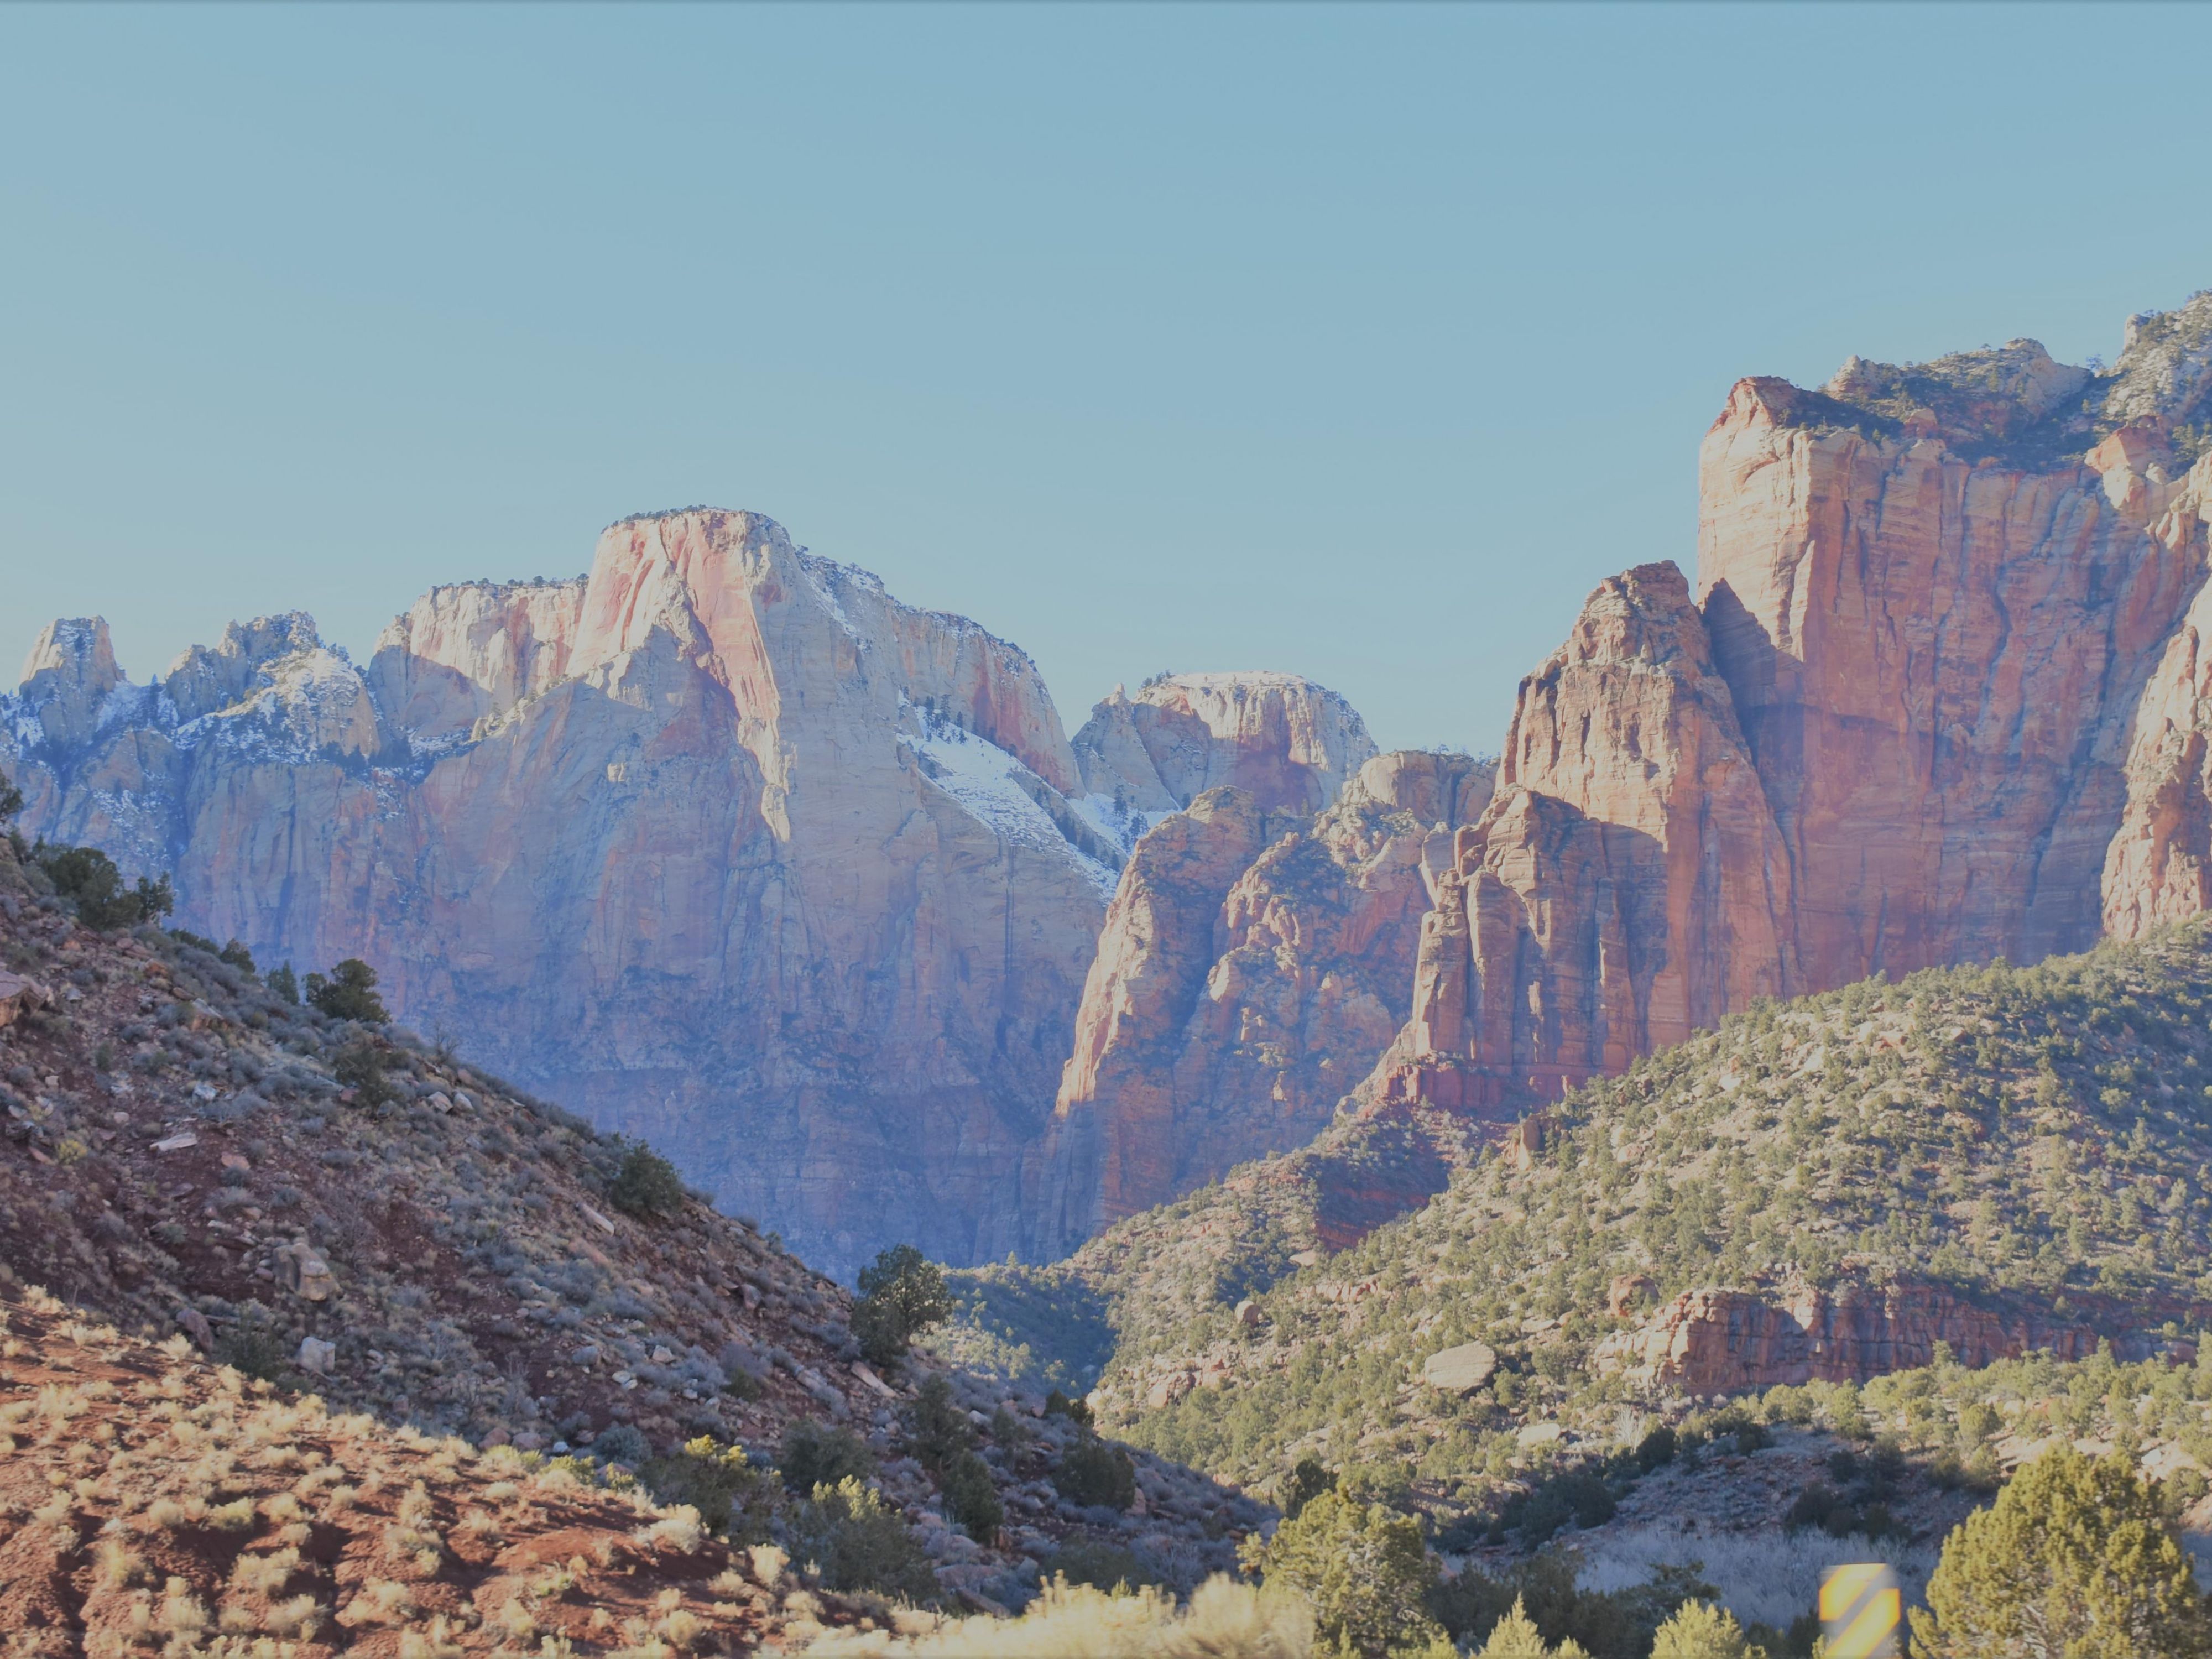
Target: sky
{"type": "Point", "coordinates": [1357, 342]}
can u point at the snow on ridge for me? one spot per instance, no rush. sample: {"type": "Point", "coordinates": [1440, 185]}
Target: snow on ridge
{"type": "Point", "coordinates": [986, 780]}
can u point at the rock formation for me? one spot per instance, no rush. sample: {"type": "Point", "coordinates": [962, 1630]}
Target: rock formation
{"type": "Point", "coordinates": [1722, 1342]}
{"type": "Point", "coordinates": [1252, 968]}
{"type": "Point", "coordinates": [1285, 741]}
{"type": "Point", "coordinates": [718, 843]}
{"type": "Point", "coordinates": [1905, 722]}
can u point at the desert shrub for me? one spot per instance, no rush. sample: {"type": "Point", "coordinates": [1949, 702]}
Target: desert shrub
{"type": "Point", "coordinates": [360, 1067]}
{"type": "Point", "coordinates": [902, 1294]}
{"type": "Point", "coordinates": [1363, 1568]}
{"type": "Point", "coordinates": [857, 1541]}
{"type": "Point", "coordinates": [88, 879]}
{"type": "Point", "coordinates": [1101, 1565]}
{"type": "Point", "coordinates": [815, 1454]}
{"type": "Point", "coordinates": [732, 1497]}
{"type": "Point", "coordinates": [349, 993]}
{"type": "Point", "coordinates": [622, 1443]}
{"type": "Point", "coordinates": [1096, 1476]}
{"type": "Point", "coordinates": [971, 1498]}
{"type": "Point", "coordinates": [1577, 1495]}
{"type": "Point", "coordinates": [2076, 1557]}
{"type": "Point", "coordinates": [1225, 1620]}
{"type": "Point", "coordinates": [1057, 1404]}
{"type": "Point", "coordinates": [646, 1184]}
{"type": "Point", "coordinates": [249, 1347]}
{"type": "Point", "coordinates": [937, 1433]}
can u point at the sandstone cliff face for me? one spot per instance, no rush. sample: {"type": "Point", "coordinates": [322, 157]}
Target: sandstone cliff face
{"type": "Point", "coordinates": [1251, 969]}
{"type": "Point", "coordinates": [1289, 744]}
{"type": "Point", "coordinates": [1625, 888]}
{"type": "Point", "coordinates": [1722, 1342]}
{"type": "Point", "coordinates": [1905, 723]}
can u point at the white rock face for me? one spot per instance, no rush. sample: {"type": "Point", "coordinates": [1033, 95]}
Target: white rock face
{"type": "Point", "coordinates": [720, 844]}
{"type": "Point", "coordinates": [1285, 741]}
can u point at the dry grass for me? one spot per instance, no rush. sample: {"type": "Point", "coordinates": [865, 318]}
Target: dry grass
{"type": "Point", "coordinates": [1769, 1576]}
{"type": "Point", "coordinates": [1224, 1620]}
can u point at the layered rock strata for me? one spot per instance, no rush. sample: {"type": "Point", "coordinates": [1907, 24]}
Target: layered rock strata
{"type": "Point", "coordinates": [1938, 697]}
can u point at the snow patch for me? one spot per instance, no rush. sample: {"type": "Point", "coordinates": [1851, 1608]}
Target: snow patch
{"type": "Point", "coordinates": [987, 781]}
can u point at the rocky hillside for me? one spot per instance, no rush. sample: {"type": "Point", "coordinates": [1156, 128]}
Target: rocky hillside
{"type": "Point", "coordinates": [1977, 1162]}
{"type": "Point", "coordinates": [333, 1204]}
{"type": "Point", "coordinates": [720, 844]}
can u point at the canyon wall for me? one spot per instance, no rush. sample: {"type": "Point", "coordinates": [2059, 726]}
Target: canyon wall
{"type": "Point", "coordinates": [719, 844]}
{"type": "Point", "coordinates": [1939, 696]}
{"type": "Point", "coordinates": [1252, 967]}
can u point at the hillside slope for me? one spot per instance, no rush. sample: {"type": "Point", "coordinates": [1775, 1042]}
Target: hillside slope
{"type": "Point", "coordinates": [1998, 1160]}
{"type": "Point", "coordinates": [187, 1153]}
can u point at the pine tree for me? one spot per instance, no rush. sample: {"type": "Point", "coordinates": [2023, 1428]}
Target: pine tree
{"type": "Point", "coordinates": [2074, 1559]}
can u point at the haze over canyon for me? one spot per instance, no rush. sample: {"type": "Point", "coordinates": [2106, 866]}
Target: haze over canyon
{"type": "Point", "coordinates": [722, 845]}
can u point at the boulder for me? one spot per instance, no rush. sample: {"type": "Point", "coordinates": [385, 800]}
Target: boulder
{"type": "Point", "coordinates": [303, 1274]}
{"type": "Point", "coordinates": [1461, 1369]}
{"type": "Point", "coordinates": [316, 1356]}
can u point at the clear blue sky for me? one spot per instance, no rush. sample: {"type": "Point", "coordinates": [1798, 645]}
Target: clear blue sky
{"type": "Point", "coordinates": [1358, 342]}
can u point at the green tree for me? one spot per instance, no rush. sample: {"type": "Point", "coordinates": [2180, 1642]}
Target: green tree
{"type": "Point", "coordinates": [647, 1183]}
{"type": "Point", "coordinates": [1701, 1631]}
{"type": "Point", "coordinates": [901, 1295]}
{"type": "Point", "coordinates": [349, 993]}
{"type": "Point", "coordinates": [1365, 1569]}
{"type": "Point", "coordinates": [11, 798]}
{"type": "Point", "coordinates": [1308, 1481]}
{"type": "Point", "coordinates": [1516, 1636]}
{"type": "Point", "coordinates": [813, 1453]}
{"type": "Point", "coordinates": [2075, 1560]}
{"type": "Point", "coordinates": [88, 877]}
{"type": "Point", "coordinates": [971, 1498]}
{"type": "Point", "coordinates": [1096, 1475]}
{"type": "Point", "coordinates": [285, 984]}
{"type": "Point", "coordinates": [937, 1430]}
{"type": "Point", "coordinates": [360, 1067]}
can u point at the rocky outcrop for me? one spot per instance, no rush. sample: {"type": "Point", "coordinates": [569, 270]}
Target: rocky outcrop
{"type": "Point", "coordinates": [1905, 722]}
{"type": "Point", "coordinates": [1251, 969]}
{"type": "Point", "coordinates": [1721, 1341]}
{"type": "Point", "coordinates": [1626, 885]}
{"type": "Point", "coordinates": [1289, 744]}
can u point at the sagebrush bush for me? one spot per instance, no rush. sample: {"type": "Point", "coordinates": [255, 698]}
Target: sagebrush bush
{"type": "Point", "coordinates": [1096, 1476]}
{"type": "Point", "coordinates": [857, 1541]}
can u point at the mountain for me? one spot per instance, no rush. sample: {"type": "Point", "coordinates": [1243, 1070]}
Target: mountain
{"type": "Point", "coordinates": [471, 1282]}
{"type": "Point", "coordinates": [720, 844]}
